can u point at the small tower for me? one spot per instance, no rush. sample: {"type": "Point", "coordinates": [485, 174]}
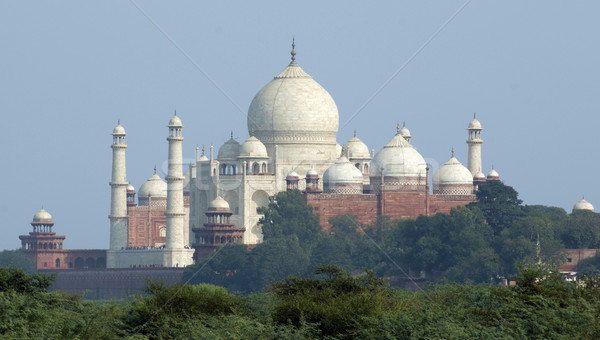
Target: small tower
{"type": "Point", "coordinates": [312, 181]}
{"type": "Point", "coordinates": [118, 198]}
{"type": "Point", "coordinates": [130, 196]}
{"type": "Point", "coordinates": [43, 244]}
{"type": "Point", "coordinates": [292, 180]}
{"type": "Point", "coordinates": [474, 142]}
{"type": "Point", "coordinates": [218, 230]}
{"type": "Point", "coordinates": [404, 132]}
{"type": "Point", "coordinates": [176, 254]}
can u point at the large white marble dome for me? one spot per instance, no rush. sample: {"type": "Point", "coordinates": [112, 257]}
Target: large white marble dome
{"type": "Point", "coordinates": [293, 108]}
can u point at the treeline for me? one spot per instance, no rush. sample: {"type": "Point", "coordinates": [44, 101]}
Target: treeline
{"type": "Point", "coordinates": [331, 305]}
{"type": "Point", "coordinates": [478, 243]}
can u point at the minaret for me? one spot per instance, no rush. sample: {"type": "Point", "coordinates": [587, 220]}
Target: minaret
{"type": "Point", "coordinates": [474, 142]}
{"type": "Point", "coordinates": [175, 212]}
{"type": "Point", "coordinates": [118, 192]}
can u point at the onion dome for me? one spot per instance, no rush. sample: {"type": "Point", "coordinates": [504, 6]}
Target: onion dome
{"type": "Point", "coordinates": [229, 150]}
{"type": "Point", "coordinates": [493, 175]}
{"type": "Point", "coordinates": [130, 188]}
{"type": "Point", "coordinates": [292, 175]}
{"type": "Point", "coordinates": [399, 159]}
{"type": "Point", "coordinates": [355, 148]}
{"type": "Point", "coordinates": [118, 130]}
{"type": "Point", "coordinates": [252, 148]}
{"type": "Point", "coordinates": [342, 178]}
{"type": "Point", "coordinates": [175, 121]}
{"type": "Point", "coordinates": [474, 124]}
{"type": "Point", "coordinates": [42, 216]}
{"type": "Point", "coordinates": [583, 205]}
{"type": "Point", "coordinates": [218, 204]}
{"type": "Point", "coordinates": [154, 187]}
{"type": "Point", "coordinates": [293, 108]}
{"type": "Point", "coordinates": [453, 178]}
{"type": "Point", "coordinates": [479, 177]}
{"type": "Point", "coordinates": [404, 132]}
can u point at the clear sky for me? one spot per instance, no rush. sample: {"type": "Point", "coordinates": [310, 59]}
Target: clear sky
{"type": "Point", "coordinates": [70, 69]}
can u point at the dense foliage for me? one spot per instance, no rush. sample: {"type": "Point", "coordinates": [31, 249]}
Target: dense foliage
{"type": "Point", "coordinates": [478, 243]}
{"type": "Point", "coordinates": [331, 305]}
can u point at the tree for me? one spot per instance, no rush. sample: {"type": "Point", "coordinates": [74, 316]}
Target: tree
{"type": "Point", "coordinates": [499, 203]}
{"type": "Point", "coordinates": [287, 214]}
{"type": "Point", "coordinates": [16, 280]}
{"type": "Point", "coordinates": [581, 229]}
{"type": "Point", "coordinates": [19, 259]}
{"type": "Point", "coordinates": [337, 302]}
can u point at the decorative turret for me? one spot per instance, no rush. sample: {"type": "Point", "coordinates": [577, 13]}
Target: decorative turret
{"type": "Point", "coordinates": [130, 196]}
{"type": "Point", "coordinates": [291, 180]}
{"type": "Point", "coordinates": [218, 230]}
{"type": "Point", "coordinates": [493, 175]}
{"type": "Point", "coordinates": [474, 142]}
{"type": "Point", "coordinates": [404, 132]}
{"type": "Point", "coordinates": [312, 181]}
{"type": "Point", "coordinates": [118, 185]}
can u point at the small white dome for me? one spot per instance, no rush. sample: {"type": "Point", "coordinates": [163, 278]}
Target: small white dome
{"type": "Point", "coordinates": [175, 121]}
{"type": "Point", "coordinates": [253, 148]}
{"type": "Point", "coordinates": [312, 172]}
{"type": "Point", "coordinates": [218, 203]}
{"type": "Point", "coordinates": [493, 174]}
{"type": "Point", "coordinates": [154, 187]}
{"type": "Point", "coordinates": [42, 216]}
{"type": "Point", "coordinates": [474, 125]}
{"type": "Point", "coordinates": [583, 205]}
{"type": "Point", "coordinates": [229, 150]}
{"type": "Point", "coordinates": [452, 172]}
{"type": "Point", "coordinates": [479, 176]}
{"type": "Point", "coordinates": [398, 159]}
{"type": "Point", "coordinates": [342, 172]}
{"type": "Point", "coordinates": [130, 187]}
{"type": "Point", "coordinates": [292, 175]}
{"type": "Point", "coordinates": [118, 130]}
{"type": "Point", "coordinates": [355, 148]}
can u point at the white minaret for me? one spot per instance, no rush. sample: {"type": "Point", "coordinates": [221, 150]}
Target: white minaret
{"type": "Point", "coordinates": [474, 142]}
{"type": "Point", "coordinates": [175, 212]}
{"type": "Point", "coordinates": [175, 253]}
{"type": "Point", "coordinates": [118, 192]}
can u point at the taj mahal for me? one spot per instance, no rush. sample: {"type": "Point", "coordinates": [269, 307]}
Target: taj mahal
{"type": "Point", "coordinates": [292, 125]}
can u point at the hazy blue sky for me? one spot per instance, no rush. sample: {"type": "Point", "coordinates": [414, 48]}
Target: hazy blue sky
{"type": "Point", "coordinates": [70, 69]}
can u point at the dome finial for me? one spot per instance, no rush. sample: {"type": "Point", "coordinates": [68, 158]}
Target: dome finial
{"type": "Point", "coordinates": [118, 121]}
{"type": "Point", "coordinates": [155, 169]}
{"type": "Point", "coordinates": [474, 115]}
{"type": "Point", "coordinates": [202, 149]}
{"type": "Point", "coordinates": [252, 132]}
{"type": "Point", "coordinates": [403, 123]}
{"type": "Point", "coordinates": [293, 53]}
{"type": "Point", "coordinates": [452, 150]}
{"type": "Point", "coordinates": [398, 127]}
{"type": "Point", "coordinates": [354, 132]}
{"type": "Point", "coordinates": [231, 134]}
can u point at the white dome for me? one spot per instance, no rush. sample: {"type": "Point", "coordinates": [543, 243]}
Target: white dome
{"type": "Point", "coordinates": [229, 150]}
{"type": "Point", "coordinates": [202, 158]}
{"type": "Point", "coordinates": [175, 121]}
{"type": "Point", "coordinates": [452, 173]}
{"type": "Point", "coordinates": [583, 205]}
{"type": "Point", "coordinates": [218, 203]}
{"type": "Point", "coordinates": [355, 148]}
{"type": "Point", "coordinates": [118, 130]}
{"type": "Point", "coordinates": [342, 172]}
{"type": "Point", "coordinates": [253, 148]}
{"type": "Point", "coordinates": [493, 174]}
{"type": "Point", "coordinates": [293, 108]}
{"type": "Point", "coordinates": [399, 159]}
{"type": "Point", "coordinates": [41, 216]}
{"type": "Point", "coordinates": [474, 124]}
{"type": "Point", "coordinates": [292, 175]}
{"type": "Point", "coordinates": [130, 187]}
{"type": "Point", "coordinates": [479, 176]}
{"type": "Point", "coordinates": [154, 187]}
{"type": "Point", "coordinates": [312, 172]}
